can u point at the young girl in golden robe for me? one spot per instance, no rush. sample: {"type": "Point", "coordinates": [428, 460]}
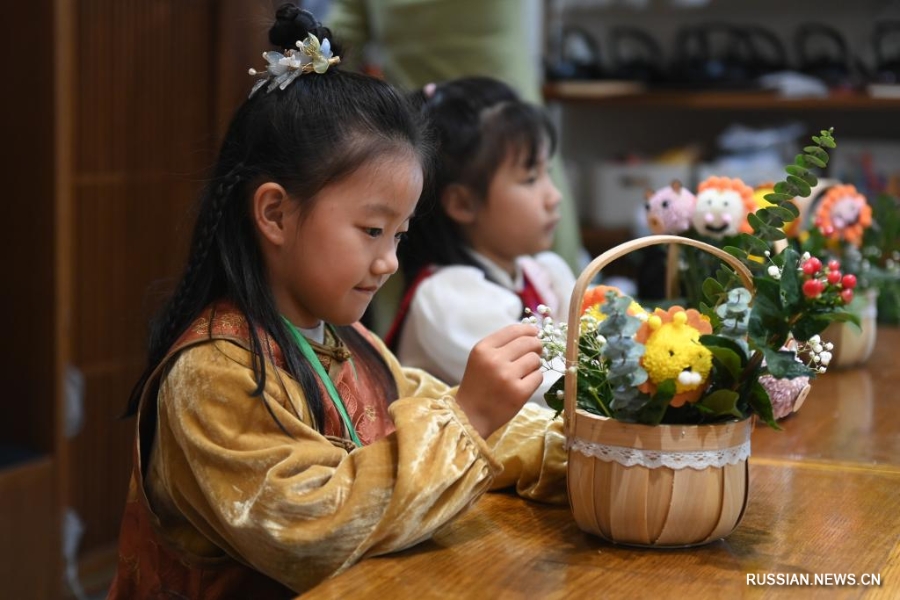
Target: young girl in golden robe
{"type": "Point", "coordinates": [278, 441]}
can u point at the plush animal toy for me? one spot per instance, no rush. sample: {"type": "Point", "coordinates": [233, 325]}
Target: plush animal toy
{"type": "Point", "coordinates": [673, 351]}
{"type": "Point", "coordinates": [843, 214]}
{"type": "Point", "coordinates": [669, 209]}
{"type": "Point", "coordinates": [722, 207]}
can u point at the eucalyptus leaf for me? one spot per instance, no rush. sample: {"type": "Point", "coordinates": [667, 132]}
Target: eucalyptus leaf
{"type": "Point", "coordinates": [816, 152]}
{"type": "Point", "coordinates": [803, 173]}
{"type": "Point", "coordinates": [782, 212]}
{"type": "Point", "coordinates": [817, 162]}
{"type": "Point", "coordinates": [736, 252]}
{"type": "Point", "coordinates": [712, 289]}
{"type": "Point", "coordinates": [775, 197]}
{"type": "Point", "coordinates": [800, 184]}
{"type": "Point", "coordinates": [769, 216]}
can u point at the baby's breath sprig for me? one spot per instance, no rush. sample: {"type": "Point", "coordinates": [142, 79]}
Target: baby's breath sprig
{"type": "Point", "coordinates": [818, 353]}
{"type": "Point", "coordinates": [552, 335]}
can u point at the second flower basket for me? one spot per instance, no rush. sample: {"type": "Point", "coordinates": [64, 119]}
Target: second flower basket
{"type": "Point", "coordinates": [652, 485]}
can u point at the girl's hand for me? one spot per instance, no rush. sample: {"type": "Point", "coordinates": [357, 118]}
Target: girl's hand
{"type": "Point", "coordinates": [503, 371]}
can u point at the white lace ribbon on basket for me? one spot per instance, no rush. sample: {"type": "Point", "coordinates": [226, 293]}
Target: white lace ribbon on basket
{"type": "Point", "coordinates": [652, 459]}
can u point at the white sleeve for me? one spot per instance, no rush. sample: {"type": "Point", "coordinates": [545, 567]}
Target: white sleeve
{"type": "Point", "coordinates": [451, 311]}
{"type": "Point", "coordinates": [561, 280]}
{"type": "Point", "coordinates": [554, 280]}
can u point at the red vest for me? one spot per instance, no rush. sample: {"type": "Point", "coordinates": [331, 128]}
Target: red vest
{"type": "Point", "coordinates": [149, 567]}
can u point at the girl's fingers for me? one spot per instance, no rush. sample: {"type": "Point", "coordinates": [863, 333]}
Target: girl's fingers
{"type": "Point", "coordinates": [519, 347]}
{"type": "Point", "coordinates": [525, 365]}
{"type": "Point", "coordinates": [505, 335]}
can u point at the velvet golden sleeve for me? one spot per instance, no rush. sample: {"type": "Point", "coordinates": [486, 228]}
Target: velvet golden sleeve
{"type": "Point", "coordinates": [530, 448]}
{"type": "Point", "coordinates": [277, 495]}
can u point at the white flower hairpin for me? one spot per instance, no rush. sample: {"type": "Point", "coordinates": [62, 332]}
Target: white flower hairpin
{"type": "Point", "coordinates": [282, 69]}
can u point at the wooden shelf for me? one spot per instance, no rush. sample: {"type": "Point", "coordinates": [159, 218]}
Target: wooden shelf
{"type": "Point", "coordinates": [627, 95]}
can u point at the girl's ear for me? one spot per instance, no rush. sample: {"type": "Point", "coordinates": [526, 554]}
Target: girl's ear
{"type": "Point", "coordinates": [459, 203]}
{"type": "Point", "coordinates": [270, 207]}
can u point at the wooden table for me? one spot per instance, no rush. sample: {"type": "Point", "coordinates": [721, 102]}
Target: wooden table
{"type": "Point", "coordinates": [824, 498]}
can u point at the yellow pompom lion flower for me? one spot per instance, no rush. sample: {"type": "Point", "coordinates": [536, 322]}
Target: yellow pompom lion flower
{"type": "Point", "coordinates": [674, 351]}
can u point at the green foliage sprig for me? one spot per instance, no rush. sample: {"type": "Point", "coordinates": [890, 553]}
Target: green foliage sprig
{"type": "Point", "coordinates": [768, 223]}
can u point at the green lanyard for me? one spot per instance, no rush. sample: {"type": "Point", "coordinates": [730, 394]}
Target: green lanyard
{"type": "Point", "coordinates": [310, 355]}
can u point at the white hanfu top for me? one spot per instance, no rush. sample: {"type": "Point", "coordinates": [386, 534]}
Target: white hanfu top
{"type": "Point", "coordinates": [457, 306]}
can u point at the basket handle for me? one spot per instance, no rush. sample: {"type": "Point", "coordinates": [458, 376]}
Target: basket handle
{"type": "Point", "coordinates": [584, 280]}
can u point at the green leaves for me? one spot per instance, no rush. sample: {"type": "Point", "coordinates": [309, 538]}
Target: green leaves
{"type": "Point", "coordinates": [769, 324]}
{"type": "Point", "coordinates": [713, 290]}
{"type": "Point", "coordinates": [790, 284]}
{"type": "Point", "coordinates": [721, 403]}
{"type": "Point", "coordinates": [728, 357]}
{"type": "Point", "coordinates": [784, 365]}
{"type": "Point", "coordinates": [769, 222]}
{"type": "Point", "coordinates": [653, 412]}
{"type": "Point", "coordinates": [766, 226]}
{"type": "Point", "coordinates": [761, 404]}
{"type": "Point", "coordinates": [802, 173]}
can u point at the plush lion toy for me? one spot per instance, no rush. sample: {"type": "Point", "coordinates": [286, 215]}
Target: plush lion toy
{"type": "Point", "coordinates": [844, 214]}
{"type": "Point", "coordinates": [722, 207]}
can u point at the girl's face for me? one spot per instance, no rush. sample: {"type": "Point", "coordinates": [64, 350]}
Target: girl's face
{"type": "Point", "coordinates": [341, 252]}
{"type": "Point", "coordinates": [519, 215]}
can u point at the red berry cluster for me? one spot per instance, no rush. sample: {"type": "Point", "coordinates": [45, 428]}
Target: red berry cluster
{"type": "Point", "coordinates": [817, 283]}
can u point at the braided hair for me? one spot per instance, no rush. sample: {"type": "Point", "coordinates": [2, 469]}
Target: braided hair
{"type": "Point", "coordinates": [318, 130]}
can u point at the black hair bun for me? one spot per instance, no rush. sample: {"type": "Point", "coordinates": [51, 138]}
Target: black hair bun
{"type": "Point", "coordinates": [293, 24]}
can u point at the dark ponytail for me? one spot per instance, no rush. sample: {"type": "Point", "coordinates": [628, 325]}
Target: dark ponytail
{"type": "Point", "coordinates": [318, 130]}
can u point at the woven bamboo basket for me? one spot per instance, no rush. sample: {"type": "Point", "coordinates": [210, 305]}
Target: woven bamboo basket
{"type": "Point", "coordinates": [653, 486]}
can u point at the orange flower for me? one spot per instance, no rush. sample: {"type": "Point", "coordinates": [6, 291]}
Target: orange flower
{"type": "Point", "coordinates": [596, 296]}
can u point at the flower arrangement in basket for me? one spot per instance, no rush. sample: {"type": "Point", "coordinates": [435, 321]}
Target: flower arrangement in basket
{"type": "Point", "coordinates": [659, 402]}
{"type": "Point", "coordinates": [857, 242]}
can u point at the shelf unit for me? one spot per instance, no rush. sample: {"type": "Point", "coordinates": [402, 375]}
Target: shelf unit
{"type": "Point", "coordinates": [620, 94]}
{"type": "Point", "coordinates": [604, 119]}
